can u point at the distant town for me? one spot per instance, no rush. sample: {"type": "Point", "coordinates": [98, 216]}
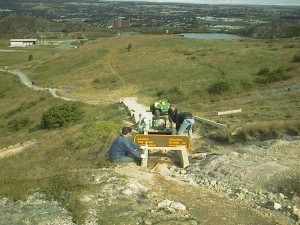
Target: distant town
{"type": "Point", "coordinates": [192, 17]}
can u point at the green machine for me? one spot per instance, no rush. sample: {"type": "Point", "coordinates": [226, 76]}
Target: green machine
{"type": "Point", "coordinates": [160, 107]}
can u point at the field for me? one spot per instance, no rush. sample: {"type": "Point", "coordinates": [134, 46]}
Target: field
{"type": "Point", "coordinates": [201, 76]}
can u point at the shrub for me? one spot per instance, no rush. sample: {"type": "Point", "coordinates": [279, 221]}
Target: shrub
{"type": "Point", "coordinates": [61, 115]}
{"type": "Point", "coordinates": [174, 94]}
{"type": "Point", "coordinates": [296, 58]}
{"type": "Point", "coordinates": [288, 46]}
{"type": "Point", "coordinates": [265, 76]}
{"type": "Point", "coordinates": [129, 47]}
{"type": "Point", "coordinates": [192, 57]}
{"type": "Point", "coordinates": [218, 87]}
{"type": "Point", "coordinates": [30, 58]}
{"type": "Point", "coordinates": [18, 124]}
{"type": "Point", "coordinates": [263, 71]}
{"type": "Point", "coordinates": [99, 132]}
{"type": "Point", "coordinates": [246, 84]}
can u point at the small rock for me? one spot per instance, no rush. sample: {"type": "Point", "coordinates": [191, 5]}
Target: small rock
{"type": "Point", "coordinates": [164, 204]}
{"type": "Point", "coordinates": [271, 196]}
{"type": "Point", "coordinates": [244, 190]}
{"type": "Point", "coordinates": [127, 192]}
{"type": "Point", "coordinates": [236, 131]}
{"type": "Point", "coordinates": [170, 210]}
{"type": "Point", "coordinates": [240, 195]}
{"type": "Point", "coordinates": [277, 206]}
{"type": "Point", "coordinates": [193, 222]}
{"type": "Point", "coordinates": [213, 182]}
{"type": "Point", "coordinates": [273, 205]}
{"type": "Point", "coordinates": [147, 222]}
{"type": "Point", "coordinates": [281, 195]}
{"type": "Point", "coordinates": [296, 212]}
{"type": "Point", "coordinates": [178, 206]}
{"type": "Point", "coordinates": [182, 171]}
{"type": "Point", "coordinates": [192, 182]}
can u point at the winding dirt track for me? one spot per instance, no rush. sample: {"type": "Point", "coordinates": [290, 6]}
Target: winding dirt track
{"type": "Point", "coordinates": [24, 79]}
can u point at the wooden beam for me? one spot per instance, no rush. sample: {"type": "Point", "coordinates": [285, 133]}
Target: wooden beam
{"type": "Point", "coordinates": [227, 112]}
{"type": "Point", "coordinates": [181, 151]}
{"type": "Point", "coordinates": [209, 122]}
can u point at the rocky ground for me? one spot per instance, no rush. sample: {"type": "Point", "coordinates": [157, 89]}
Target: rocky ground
{"type": "Point", "coordinates": [253, 184]}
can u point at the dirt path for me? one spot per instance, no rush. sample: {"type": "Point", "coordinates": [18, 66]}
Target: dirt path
{"type": "Point", "coordinates": [202, 205]}
{"type": "Point", "coordinates": [24, 79]}
{"type": "Point", "coordinates": [207, 207]}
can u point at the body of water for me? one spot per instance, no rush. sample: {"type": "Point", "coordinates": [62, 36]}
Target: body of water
{"type": "Point", "coordinates": [212, 36]}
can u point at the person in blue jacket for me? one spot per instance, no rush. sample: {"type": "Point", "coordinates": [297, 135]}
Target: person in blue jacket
{"type": "Point", "coordinates": [123, 149]}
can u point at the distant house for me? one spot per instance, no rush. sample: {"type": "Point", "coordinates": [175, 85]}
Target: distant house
{"type": "Point", "coordinates": [22, 42]}
{"type": "Point", "coordinates": [121, 22]}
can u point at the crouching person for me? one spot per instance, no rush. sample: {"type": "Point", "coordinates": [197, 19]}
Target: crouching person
{"type": "Point", "coordinates": [123, 149]}
{"type": "Point", "coordinates": [185, 121]}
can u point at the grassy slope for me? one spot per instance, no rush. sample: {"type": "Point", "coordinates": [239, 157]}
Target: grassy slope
{"type": "Point", "coordinates": [104, 71]}
{"type": "Point", "coordinates": [155, 63]}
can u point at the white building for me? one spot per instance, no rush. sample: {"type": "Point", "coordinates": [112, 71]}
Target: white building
{"type": "Point", "coordinates": [23, 42]}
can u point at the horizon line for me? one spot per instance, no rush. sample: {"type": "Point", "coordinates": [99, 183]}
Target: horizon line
{"type": "Point", "coordinates": [202, 3]}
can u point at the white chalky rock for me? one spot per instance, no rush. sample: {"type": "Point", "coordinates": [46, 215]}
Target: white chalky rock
{"type": "Point", "coordinates": [273, 205]}
{"type": "Point", "coordinates": [136, 186]}
{"type": "Point", "coordinates": [296, 211]}
{"type": "Point", "coordinates": [164, 204]}
{"type": "Point", "coordinates": [178, 206]}
{"type": "Point", "coordinates": [277, 205]}
{"type": "Point", "coordinates": [213, 182]}
{"type": "Point", "coordinates": [127, 191]}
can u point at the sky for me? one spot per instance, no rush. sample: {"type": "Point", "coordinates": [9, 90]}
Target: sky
{"type": "Point", "coordinates": [249, 2]}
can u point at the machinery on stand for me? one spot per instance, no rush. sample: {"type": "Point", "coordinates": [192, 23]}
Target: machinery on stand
{"type": "Point", "coordinates": [159, 121]}
{"type": "Point", "coordinates": [154, 130]}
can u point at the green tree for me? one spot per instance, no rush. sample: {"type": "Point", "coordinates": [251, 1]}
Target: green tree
{"type": "Point", "coordinates": [30, 58]}
{"type": "Point", "coordinates": [129, 47]}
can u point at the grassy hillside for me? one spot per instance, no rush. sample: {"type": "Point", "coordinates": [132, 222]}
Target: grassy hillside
{"type": "Point", "coordinates": [19, 26]}
{"type": "Point", "coordinates": [201, 76]}
{"type": "Point", "coordinates": [191, 73]}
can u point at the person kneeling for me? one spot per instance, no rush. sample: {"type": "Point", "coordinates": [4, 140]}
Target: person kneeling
{"type": "Point", "coordinates": [123, 149]}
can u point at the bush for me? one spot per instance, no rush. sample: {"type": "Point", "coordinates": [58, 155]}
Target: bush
{"type": "Point", "coordinates": [30, 58]}
{"type": "Point", "coordinates": [18, 124]}
{"type": "Point", "coordinates": [263, 71]}
{"type": "Point", "coordinates": [61, 115]}
{"type": "Point", "coordinates": [99, 132]}
{"type": "Point", "coordinates": [174, 94]}
{"type": "Point", "coordinates": [129, 47]}
{"type": "Point", "coordinates": [265, 75]}
{"type": "Point", "coordinates": [218, 87]}
{"type": "Point", "coordinates": [296, 58]}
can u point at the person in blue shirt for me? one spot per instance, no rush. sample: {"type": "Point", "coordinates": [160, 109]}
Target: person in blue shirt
{"type": "Point", "coordinates": [123, 149]}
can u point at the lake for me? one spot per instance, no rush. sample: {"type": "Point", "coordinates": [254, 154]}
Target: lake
{"type": "Point", "coordinates": [199, 35]}
{"type": "Point", "coordinates": [212, 36]}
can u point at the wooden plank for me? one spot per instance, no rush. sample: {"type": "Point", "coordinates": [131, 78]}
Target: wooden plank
{"type": "Point", "coordinates": [209, 122]}
{"type": "Point", "coordinates": [183, 155]}
{"type": "Point", "coordinates": [227, 112]}
{"type": "Point", "coordinates": [144, 161]}
{"type": "Point", "coordinates": [154, 168]}
{"type": "Point", "coordinates": [177, 148]}
{"type": "Point", "coordinates": [181, 151]}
